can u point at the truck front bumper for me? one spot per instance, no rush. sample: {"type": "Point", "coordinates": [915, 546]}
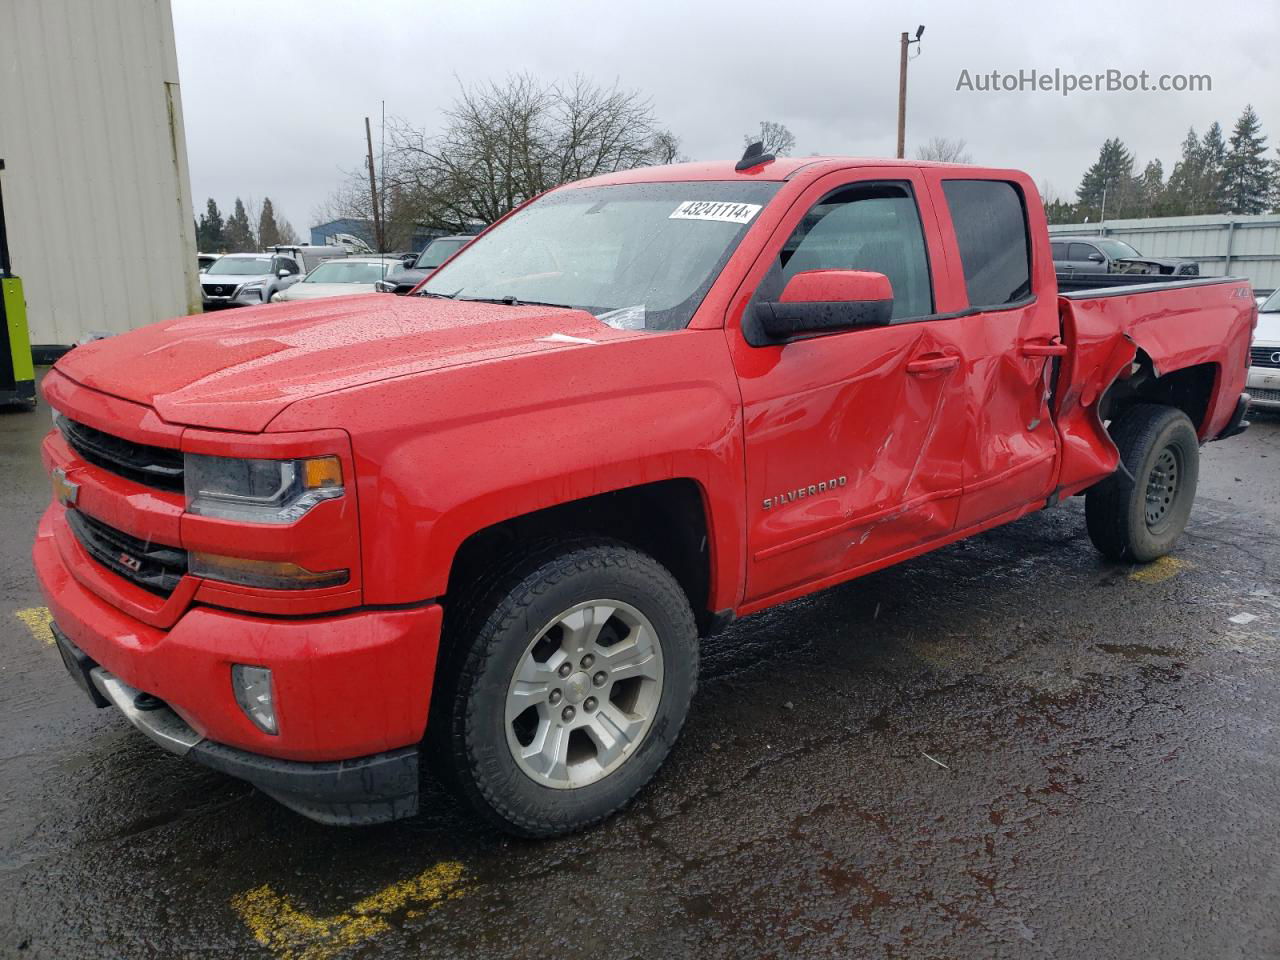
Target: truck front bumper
{"type": "Point", "coordinates": [1264, 387]}
{"type": "Point", "coordinates": [351, 691]}
{"type": "Point", "coordinates": [365, 790]}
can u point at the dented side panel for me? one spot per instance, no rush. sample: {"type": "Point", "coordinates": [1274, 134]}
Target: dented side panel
{"type": "Point", "coordinates": [1207, 322]}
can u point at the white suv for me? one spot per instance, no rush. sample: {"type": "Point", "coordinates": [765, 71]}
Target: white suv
{"type": "Point", "coordinates": [1264, 356]}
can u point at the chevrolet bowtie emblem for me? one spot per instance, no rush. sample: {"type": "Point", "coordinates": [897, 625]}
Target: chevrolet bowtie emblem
{"type": "Point", "coordinates": [64, 491]}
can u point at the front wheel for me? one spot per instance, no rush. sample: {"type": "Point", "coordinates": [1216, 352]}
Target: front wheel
{"type": "Point", "coordinates": [570, 681]}
{"type": "Point", "coordinates": [1139, 512]}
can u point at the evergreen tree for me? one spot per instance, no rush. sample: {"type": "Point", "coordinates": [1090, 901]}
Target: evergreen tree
{"type": "Point", "coordinates": [1247, 173]}
{"type": "Point", "coordinates": [1151, 189]}
{"type": "Point", "coordinates": [210, 235]}
{"type": "Point", "coordinates": [1179, 194]}
{"type": "Point", "coordinates": [1209, 196]}
{"type": "Point", "coordinates": [1110, 178]}
{"type": "Point", "coordinates": [239, 235]}
{"type": "Point", "coordinates": [268, 230]}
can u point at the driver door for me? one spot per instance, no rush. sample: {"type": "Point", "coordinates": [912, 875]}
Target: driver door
{"type": "Point", "coordinates": [854, 440]}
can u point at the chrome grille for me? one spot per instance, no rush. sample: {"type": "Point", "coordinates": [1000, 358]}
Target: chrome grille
{"type": "Point", "coordinates": [1264, 357]}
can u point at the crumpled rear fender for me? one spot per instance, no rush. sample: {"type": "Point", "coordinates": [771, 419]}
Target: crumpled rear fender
{"type": "Point", "coordinates": [1100, 353]}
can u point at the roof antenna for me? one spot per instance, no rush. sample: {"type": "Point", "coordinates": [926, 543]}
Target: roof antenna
{"type": "Point", "coordinates": [754, 156]}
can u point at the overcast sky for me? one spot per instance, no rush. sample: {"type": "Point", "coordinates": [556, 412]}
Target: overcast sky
{"type": "Point", "coordinates": [275, 93]}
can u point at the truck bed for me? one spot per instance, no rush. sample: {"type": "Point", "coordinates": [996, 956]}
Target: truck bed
{"type": "Point", "coordinates": [1184, 333]}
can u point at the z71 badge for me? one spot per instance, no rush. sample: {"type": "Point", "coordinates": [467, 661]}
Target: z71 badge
{"type": "Point", "coordinates": [801, 492]}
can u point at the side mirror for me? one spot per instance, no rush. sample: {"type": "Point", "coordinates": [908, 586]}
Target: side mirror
{"type": "Point", "coordinates": [1096, 257]}
{"type": "Point", "coordinates": [827, 301]}
{"type": "Point", "coordinates": [282, 274]}
{"type": "Point", "coordinates": [408, 258]}
{"type": "Point", "coordinates": [383, 287]}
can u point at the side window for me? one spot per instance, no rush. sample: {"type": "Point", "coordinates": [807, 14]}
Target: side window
{"type": "Point", "coordinates": [1058, 250]}
{"type": "Point", "coordinates": [284, 263]}
{"type": "Point", "coordinates": [1081, 251]}
{"type": "Point", "coordinates": [991, 231]}
{"type": "Point", "coordinates": [870, 226]}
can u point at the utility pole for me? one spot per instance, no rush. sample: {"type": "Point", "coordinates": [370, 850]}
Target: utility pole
{"type": "Point", "coordinates": [906, 42]}
{"type": "Point", "coordinates": [373, 189]}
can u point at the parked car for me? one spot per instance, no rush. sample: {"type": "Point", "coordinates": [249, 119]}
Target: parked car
{"type": "Point", "coordinates": [247, 279]}
{"type": "Point", "coordinates": [205, 260]}
{"type": "Point", "coordinates": [310, 256]}
{"type": "Point", "coordinates": [405, 278]}
{"type": "Point", "coordinates": [496, 516]}
{"type": "Point", "coordinates": [1076, 255]}
{"type": "Point", "coordinates": [1264, 356]}
{"type": "Point", "coordinates": [339, 278]}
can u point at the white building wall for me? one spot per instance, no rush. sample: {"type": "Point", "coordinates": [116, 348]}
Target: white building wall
{"type": "Point", "coordinates": [1242, 246]}
{"type": "Point", "coordinates": [97, 196]}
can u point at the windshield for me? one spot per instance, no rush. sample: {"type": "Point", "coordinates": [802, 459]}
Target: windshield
{"type": "Point", "coordinates": [646, 253]}
{"type": "Point", "coordinates": [241, 266]}
{"type": "Point", "coordinates": [346, 271]}
{"type": "Point", "coordinates": [437, 252]}
{"type": "Point", "coordinates": [1272, 303]}
{"type": "Point", "coordinates": [1117, 249]}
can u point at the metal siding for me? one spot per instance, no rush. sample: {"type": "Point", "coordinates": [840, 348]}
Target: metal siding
{"type": "Point", "coordinates": [1255, 242]}
{"type": "Point", "coordinates": [97, 194]}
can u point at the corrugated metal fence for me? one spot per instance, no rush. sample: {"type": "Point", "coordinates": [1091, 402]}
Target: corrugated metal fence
{"type": "Point", "coordinates": [1240, 246]}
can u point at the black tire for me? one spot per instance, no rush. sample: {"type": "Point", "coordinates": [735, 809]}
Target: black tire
{"type": "Point", "coordinates": [1138, 512]}
{"type": "Point", "coordinates": [468, 734]}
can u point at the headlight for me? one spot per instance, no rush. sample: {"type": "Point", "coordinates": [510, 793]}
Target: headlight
{"type": "Point", "coordinates": [259, 491]}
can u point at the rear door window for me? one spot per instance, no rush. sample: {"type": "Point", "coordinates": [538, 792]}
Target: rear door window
{"type": "Point", "coordinates": [990, 221]}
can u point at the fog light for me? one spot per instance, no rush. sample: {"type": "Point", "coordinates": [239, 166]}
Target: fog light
{"type": "Point", "coordinates": [252, 686]}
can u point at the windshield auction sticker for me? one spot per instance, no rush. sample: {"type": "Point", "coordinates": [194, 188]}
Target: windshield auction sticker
{"type": "Point", "coordinates": [715, 210]}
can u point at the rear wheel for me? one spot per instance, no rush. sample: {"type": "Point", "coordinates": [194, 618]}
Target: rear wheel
{"type": "Point", "coordinates": [1139, 512]}
{"type": "Point", "coordinates": [569, 682]}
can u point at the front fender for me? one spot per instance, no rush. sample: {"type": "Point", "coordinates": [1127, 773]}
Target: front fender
{"type": "Point", "coordinates": [440, 456]}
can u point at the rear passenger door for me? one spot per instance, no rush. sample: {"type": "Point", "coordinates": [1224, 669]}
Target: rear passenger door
{"type": "Point", "coordinates": [855, 440]}
{"type": "Point", "coordinates": [1012, 330]}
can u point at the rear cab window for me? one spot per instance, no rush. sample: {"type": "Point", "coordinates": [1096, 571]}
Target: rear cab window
{"type": "Point", "coordinates": [990, 221]}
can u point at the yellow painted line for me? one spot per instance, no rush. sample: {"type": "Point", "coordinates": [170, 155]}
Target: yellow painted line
{"type": "Point", "coordinates": [291, 934]}
{"type": "Point", "coordinates": [37, 620]}
{"type": "Point", "coordinates": [1158, 571]}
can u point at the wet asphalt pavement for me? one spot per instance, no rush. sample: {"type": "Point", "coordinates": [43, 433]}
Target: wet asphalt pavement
{"type": "Point", "coordinates": [1006, 748]}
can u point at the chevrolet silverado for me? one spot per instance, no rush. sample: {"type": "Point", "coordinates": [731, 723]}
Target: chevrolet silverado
{"type": "Point", "coordinates": [486, 524]}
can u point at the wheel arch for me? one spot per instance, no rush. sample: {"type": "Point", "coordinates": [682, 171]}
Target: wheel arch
{"type": "Point", "coordinates": [668, 519]}
{"type": "Point", "coordinates": [1190, 389]}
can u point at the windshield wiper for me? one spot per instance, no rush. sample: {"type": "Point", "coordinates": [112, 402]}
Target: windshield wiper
{"type": "Point", "coordinates": [511, 301]}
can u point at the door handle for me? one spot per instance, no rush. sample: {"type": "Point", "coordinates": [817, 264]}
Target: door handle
{"type": "Point", "coordinates": [1044, 349]}
{"type": "Point", "coordinates": [938, 363]}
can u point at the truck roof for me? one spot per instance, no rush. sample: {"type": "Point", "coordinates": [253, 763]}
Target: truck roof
{"type": "Point", "coordinates": [781, 168]}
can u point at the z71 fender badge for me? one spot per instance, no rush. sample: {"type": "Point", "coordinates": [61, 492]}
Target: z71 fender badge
{"type": "Point", "coordinates": [768, 503]}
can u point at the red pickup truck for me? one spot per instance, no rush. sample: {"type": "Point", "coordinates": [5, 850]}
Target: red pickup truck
{"type": "Point", "coordinates": [487, 524]}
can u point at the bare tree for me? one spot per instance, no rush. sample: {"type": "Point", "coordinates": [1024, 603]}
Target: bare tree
{"type": "Point", "coordinates": [508, 141]}
{"type": "Point", "coordinates": [503, 143]}
{"type": "Point", "coordinates": [777, 139]}
{"type": "Point", "coordinates": [944, 150]}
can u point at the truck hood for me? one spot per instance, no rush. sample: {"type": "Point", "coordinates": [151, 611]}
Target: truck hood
{"type": "Point", "coordinates": [238, 370]}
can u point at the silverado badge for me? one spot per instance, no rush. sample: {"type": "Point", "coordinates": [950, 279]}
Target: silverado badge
{"type": "Point", "coordinates": [812, 490]}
